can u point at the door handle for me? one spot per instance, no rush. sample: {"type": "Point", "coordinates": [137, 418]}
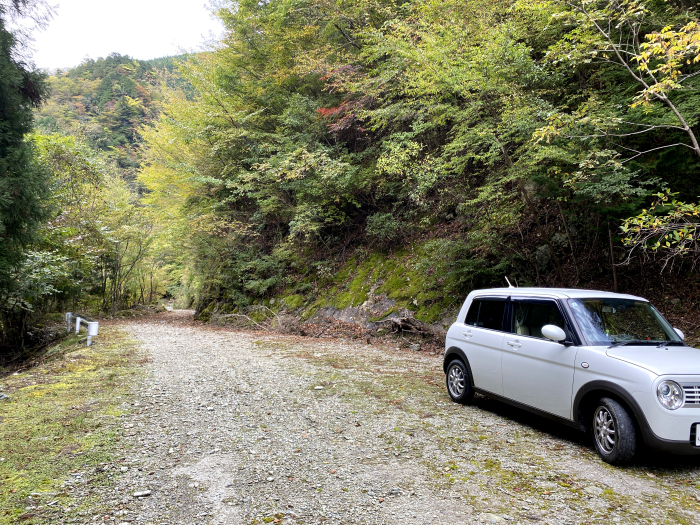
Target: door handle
{"type": "Point", "coordinates": [514, 344]}
{"type": "Point", "coordinates": [467, 334]}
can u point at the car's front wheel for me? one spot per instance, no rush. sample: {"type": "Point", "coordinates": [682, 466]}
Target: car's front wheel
{"type": "Point", "coordinates": [613, 432]}
{"type": "Point", "coordinates": [458, 385]}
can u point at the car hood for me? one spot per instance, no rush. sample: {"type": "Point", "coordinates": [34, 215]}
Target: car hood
{"type": "Point", "coordinates": [683, 360]}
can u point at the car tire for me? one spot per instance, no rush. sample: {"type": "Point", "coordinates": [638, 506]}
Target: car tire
{"type": "Point", "coordinates": [614, 435]}
{"type": "Point", "coordinates": [458, 385]}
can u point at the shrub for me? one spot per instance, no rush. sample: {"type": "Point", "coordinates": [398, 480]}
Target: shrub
{"type": "Point", "coordinates": [384, 227]}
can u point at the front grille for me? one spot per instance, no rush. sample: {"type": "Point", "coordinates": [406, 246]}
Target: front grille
{"type": "Point", "coordinates": [692, 395]}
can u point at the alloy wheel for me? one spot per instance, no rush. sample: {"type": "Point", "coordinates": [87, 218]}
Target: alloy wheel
{"type": "Point", "coordinates": [604, 429]}
{"type": "Point", "coordinates": [456, 381]}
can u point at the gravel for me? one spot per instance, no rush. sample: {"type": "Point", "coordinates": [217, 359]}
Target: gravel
{"type": "Point", "coordinates": [231, 427]}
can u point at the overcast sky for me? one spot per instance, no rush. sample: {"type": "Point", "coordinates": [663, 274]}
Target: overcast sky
{"type": "Point", "coordinates": [142, 29]}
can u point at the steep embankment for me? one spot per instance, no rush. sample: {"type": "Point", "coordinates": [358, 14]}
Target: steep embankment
{"type": "Point", "coordinates": [369, 293]}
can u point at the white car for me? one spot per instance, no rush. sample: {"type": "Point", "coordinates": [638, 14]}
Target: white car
{"type": "Point", "coordinates": [603, 362]}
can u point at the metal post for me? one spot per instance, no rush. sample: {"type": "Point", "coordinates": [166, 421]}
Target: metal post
{"type": "Point", "coordinates": [92, 326]}
{"type": "Point", "coordinates": [92, 330]}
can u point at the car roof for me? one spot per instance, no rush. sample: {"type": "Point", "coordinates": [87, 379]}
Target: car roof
{"type": "Point", "coordinates": [562, 293]}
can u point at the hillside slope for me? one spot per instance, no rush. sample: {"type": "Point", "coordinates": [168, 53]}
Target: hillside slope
{"type": "Point", "coordinates": [398, 156]}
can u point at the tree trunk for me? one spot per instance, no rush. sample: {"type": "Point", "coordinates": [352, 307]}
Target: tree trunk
{"type": "Point", "coordinates": [541, 229]}
{"type": "Point", "coordinates": [616, 287]}
{"type": "Point", "coordinates": [571, 242]}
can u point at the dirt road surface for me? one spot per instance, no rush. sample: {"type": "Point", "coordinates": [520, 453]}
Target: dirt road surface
{"type": "Point", "coordinates": [240, 428]}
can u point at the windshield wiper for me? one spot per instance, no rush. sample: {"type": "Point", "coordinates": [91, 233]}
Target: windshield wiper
{"type": "Point", "coordinates": [630, 342]}
{"type": "Point", "coordinates": [645, 342]}
{"type": "Point", "coordinates": [637, 342]}
{"type": "Point", "coordinates": [664, 343]}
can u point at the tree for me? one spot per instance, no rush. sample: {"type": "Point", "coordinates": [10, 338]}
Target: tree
{"type": "Point", "coordinates": [640, 126]}
{"type": "Point", "coordinates": [636, 39]}
{"type": "Point", "coordinates": [512, 131]}
{"type": "Point", "coordinates": [22, 181]}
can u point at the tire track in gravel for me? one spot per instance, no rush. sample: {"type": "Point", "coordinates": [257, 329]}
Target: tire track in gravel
{"type": "Point", "coordinates": [239, 428]}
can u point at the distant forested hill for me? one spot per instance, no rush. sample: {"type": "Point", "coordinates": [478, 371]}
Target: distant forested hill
{"type": "Point", "coordinates": [96, 247]}
{"type": "Point", "coordinates": [104, 102]}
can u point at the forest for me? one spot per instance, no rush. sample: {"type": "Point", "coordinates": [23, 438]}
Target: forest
{"type": "Point", "coordinates": [329, 155]}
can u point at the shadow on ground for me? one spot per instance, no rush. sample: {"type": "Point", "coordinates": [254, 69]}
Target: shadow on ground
{"type": "Point", "coordinates": [659, 462]}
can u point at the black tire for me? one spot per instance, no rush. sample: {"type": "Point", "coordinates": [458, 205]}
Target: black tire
{"type": "Point", "coordinates": [458, 385]}
{"type": "Point", "coordinates": [614, 435]}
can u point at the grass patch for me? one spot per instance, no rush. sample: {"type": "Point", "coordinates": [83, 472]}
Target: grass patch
{"type": "Point", "coordinates": [58, 432]}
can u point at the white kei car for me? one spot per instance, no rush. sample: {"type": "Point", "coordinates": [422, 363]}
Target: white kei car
{"type": "Point", "coordinates": [602, 362]}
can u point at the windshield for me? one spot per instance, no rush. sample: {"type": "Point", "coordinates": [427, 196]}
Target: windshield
{"type": "Point", "coordinates": [610, 321]}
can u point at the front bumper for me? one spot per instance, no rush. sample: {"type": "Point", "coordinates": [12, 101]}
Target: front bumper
{"type": "Point", "coordinates": [686, 447]}
{"type": "Point", "coordinates": [669, 431]}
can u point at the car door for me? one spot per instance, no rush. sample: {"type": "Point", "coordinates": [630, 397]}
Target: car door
{"type": "Point", "coordinates": [483, 334]}
{"type": "Point", "coordinates": [536, 371]}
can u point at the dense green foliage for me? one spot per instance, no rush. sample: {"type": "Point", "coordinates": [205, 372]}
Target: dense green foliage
{"type": "Point", "coordinates": [331, 153]}
{"type": "Point", "coordinates": [493, 138]}
{"type": "Point", "coordinates": [91, 147]}
{"type": "Point", "coordinates": [104, 102]}
{"type": "Point", "coordinates": [90, 237]}
{"type": "Point", "coordinates": [22, 181]}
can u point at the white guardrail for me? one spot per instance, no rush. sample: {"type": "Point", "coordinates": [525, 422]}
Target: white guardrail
{"type": "Point", "coordinates": [91, 326]}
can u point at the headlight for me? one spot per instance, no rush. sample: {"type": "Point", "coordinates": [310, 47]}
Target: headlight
{"type": "Point", "coordinates": [670, 394]}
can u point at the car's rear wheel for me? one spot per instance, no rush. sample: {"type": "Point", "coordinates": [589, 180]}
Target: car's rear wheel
{"type": "Point", "coordinates": [613, 432]}
{"type": "Point", "coordinates": [458, 385]}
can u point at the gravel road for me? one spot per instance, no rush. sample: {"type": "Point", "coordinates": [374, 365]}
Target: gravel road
{"type": "Point", "coordinates": [238, 428]}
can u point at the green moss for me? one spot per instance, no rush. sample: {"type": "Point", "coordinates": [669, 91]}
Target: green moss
{"type": "Point", "coordinates": [342, 300]}
{"type": "Point", "coordinates": [310, 312]}
{"type": "Point", "coordinates": [431, 313]}
{"type": "Point", "coordinates": [384, 314]}
{"type": "Point", "coordinates": [205, 315]}
{"type": "Point", "coordinates": [60, 417]}
{"type": "Point", "coordinates": [357, 284]}
{"type": "Point", "coordinates": [400, 276]}
{"type": "Point", "coordinates": [293, 302]}
{"type": "Point", "coordinates": [344, 274]}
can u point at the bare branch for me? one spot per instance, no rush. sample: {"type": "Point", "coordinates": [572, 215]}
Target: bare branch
{"type": "Point", "coordinates": [638, 153]}
{"type": "Point", "coordinates": [347, 37]}
{"type": "Point", "coordinates": [670, 126]}
{"type": "Point", "coordinates": [630, 134]}
{"type": "Point", "coordinates": [690, 75]}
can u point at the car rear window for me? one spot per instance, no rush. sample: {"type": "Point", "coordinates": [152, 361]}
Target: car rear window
{"type": "Point", "coordinates": [486, 313]}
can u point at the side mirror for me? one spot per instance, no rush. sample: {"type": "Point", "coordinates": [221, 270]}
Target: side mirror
{"type": "Point", "coordinates": [680, 334]}
{"type": "Point", "coordinates": [553, 333]}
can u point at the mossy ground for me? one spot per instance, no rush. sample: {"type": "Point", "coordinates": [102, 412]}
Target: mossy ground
{"type": "Point", "coordinates": [59, 422]}
{"type": "Point", "coordinates": [401, 276]}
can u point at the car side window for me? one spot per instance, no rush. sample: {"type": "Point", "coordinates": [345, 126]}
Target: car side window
{"type": "Point", "coordinates": [529, 317]}
{"type": "Point", "coordinates": [473, 313]}
{"type": "Point", "coordinates": [486, 313]}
